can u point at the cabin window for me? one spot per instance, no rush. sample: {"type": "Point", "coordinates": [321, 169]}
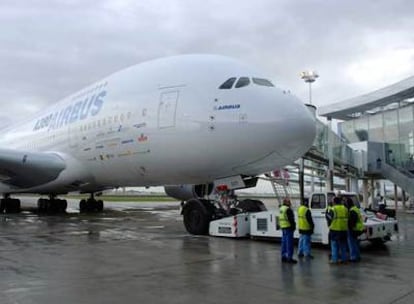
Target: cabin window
{"type": "Point", "coordinates": [242, 82]}
{"type": "Point", "coordinates": [263, 82]}
{"type": "Point", "coordinates": [228, 84]}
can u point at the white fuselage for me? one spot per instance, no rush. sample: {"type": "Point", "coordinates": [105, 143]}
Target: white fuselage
{"type": "Point", "coordinates": [167, 122]}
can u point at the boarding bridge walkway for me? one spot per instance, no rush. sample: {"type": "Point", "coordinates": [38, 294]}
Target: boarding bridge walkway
{"type": "Point", "coordinates": [363, 160]}
{"type": "Point", "coordinates": [346, 161]}
{"type": "Point", "coordinates": [402, 178]}
{"type": "Point", "coordinates": [380, 165]}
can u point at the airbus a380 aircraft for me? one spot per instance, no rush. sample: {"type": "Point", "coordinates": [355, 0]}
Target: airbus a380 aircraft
{"type": "Point", "coordinates": [187, 120]}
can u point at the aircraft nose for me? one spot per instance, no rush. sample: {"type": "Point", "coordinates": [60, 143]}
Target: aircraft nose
{"type": "Point", "coordinates": [297, 133]}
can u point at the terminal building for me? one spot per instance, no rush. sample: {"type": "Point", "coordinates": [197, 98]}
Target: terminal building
{"type": "Point", "coordinates": [375, 138]}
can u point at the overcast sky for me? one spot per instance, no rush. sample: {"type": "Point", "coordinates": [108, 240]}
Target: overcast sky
{"type": "Point", "coordinates": [49, 49]}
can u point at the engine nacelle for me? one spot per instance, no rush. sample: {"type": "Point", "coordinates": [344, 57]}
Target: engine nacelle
{"type": "Point", "coordinates": [186, 192]}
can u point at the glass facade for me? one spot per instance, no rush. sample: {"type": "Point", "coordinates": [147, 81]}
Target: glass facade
{"type": "Point", "coordinates": [361, 128]}
{"type": "Point", "coordinates": [394, 127]}
{"type": "Point", "coordinates": [341, 152]}
{"type": "Point", "coordinates": [406, 132]}
{"type": "Point", "coordinates": [321, 138]}
{"type": "Point", "coordinates": [376, 128]}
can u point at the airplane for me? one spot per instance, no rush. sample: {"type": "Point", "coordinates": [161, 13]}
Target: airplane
{"type": "Point", "coordinates": [183, 121]}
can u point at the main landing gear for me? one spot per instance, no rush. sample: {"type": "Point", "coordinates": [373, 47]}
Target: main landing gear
{"type": "Point", "coordinates": [52, 205]}
{"type": "Point", "coordinates": [9, 205]}
{"type": "Point", "coordinates": [91, 205]}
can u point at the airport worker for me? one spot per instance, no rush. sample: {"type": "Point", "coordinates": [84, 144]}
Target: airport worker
{"type": "Point", "coordinates": [382, 204]}
{"type": "Point", "coordinates": [376, 202]}
{"type": "Point", "coordinates": [288, 225]}
{"type": "Point", "coordinates": [355, 229]}
{"type": "Point", "coordinates": [328, 212]}
{"type": "Point", "coordinates": [328, 217]}
{"type": "Point", "coordinates": [338, 231]}
{"type": "Point", "coordinates": [305, 226]}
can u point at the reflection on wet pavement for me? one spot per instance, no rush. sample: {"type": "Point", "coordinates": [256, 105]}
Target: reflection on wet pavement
{"type": "Point", "coordinates": [135, 252]}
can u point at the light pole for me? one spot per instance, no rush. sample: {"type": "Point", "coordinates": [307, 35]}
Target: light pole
{"type": "Point", "coordinates": [309, 77]}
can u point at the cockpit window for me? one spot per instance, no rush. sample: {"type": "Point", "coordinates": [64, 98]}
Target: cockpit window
{"type": "Point", "coordinates": [245, 81]}
{"type": "Point", "coordinates": [263, 82]}
{"type": "Point", "coordinates": [228, 83]}
{"type": "Point", "coordinates": [242, 82]}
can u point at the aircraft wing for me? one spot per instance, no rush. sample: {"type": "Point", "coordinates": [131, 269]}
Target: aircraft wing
{"type": "Point", "coordinates": [20, 169]}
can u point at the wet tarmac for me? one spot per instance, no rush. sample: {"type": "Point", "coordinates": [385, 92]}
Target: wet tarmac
{"type": "Point", "coordinates": [141, 253]}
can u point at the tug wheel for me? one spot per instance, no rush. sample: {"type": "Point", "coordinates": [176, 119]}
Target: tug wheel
{"type": "Point", "coordinates": [196, 217]}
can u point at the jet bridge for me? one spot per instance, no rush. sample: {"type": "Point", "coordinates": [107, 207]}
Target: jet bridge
{"type": "Point", "coordinates": [382, 122]}
{"type": "Point", "coordinates": [381, 165]}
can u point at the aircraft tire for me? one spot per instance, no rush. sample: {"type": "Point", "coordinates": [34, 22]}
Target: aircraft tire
{"type": "Point", "coordinates": [61, 205]}
{"type": "Point", "coordinates": [99, 205]}
{"type": "Point", "coordinates": [42, 205]}
{"type": "Point", "coordinates": [91, 205]}
{"type": "Point", "coordinates": [12, 205]}
{"type": "Point", "coordinates": [250, 205]}
{"type": "Point", "coordinates": [83, 207]}
{"type": "Point", "coordinates": [51, 206]}
{"type": "Point", "coordinates": [2, 206]}
{"type": "Point", "coordinates": [196, 217]}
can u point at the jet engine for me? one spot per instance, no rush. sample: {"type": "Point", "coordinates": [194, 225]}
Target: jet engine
{"type": "Point", "coordinates": [186, 192]}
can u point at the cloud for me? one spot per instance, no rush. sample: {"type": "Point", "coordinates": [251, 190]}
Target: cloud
{"type": "Point", "coordinates": [50, 49]}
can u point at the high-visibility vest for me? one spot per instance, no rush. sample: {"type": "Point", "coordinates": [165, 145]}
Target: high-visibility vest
{"type": "Point", "coordinates": [329, 208]}
{"type": "Point", "coordinates": [283, 220]}
{"type": "Point", "coordinates": [340, 219]}
{"type": "Point", "coordinates": [303, 223]}
{"type": "Point", "coordinates": [360, 223]}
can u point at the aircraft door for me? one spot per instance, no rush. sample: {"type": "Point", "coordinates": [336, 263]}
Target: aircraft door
{"type": "Point", "coordinates": [167, 109]}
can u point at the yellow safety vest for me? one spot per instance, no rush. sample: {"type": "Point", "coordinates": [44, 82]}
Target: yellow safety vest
{"type": "Point", "coordinates": [283, 220]}
{"type": "Point", "coordinates": [303, 223]}
{"type": "Point", "coordinates": [329, 208]}
{"type": "Point", "coordinates": [360, 223]}
{"type": "Point", "coordinates": [340, 219]}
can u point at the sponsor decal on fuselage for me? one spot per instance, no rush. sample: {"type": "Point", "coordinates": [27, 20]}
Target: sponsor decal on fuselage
{"type": "Point", "coordinates": [142, 138]}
